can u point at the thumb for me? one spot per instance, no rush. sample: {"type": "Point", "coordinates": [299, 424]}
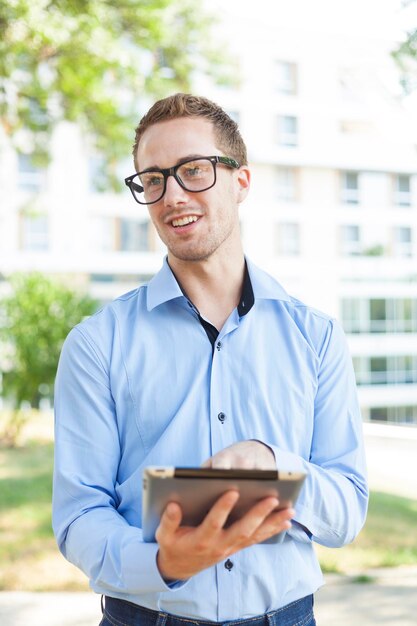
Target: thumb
{"type": "Point", "coordinates": [171, 518]}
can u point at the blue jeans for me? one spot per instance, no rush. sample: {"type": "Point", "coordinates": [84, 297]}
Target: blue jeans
{"type": "Point", "coordinates": [122, 613]}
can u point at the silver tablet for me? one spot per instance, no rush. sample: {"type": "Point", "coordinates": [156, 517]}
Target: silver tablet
{"type": "Point", "coordinates": [197, 489]}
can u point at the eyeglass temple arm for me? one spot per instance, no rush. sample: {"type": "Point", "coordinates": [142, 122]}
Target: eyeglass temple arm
{"type": "Point", "coordinates": [228, 161]}
{"type": "Point", "coordinates": [132, 185]}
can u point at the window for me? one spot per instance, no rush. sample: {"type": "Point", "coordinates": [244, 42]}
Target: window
{"type": "Point", "coordinates": [402, 190]}
{"type": "Point", "coordinates": [386, 370]}
{"type": "Point", "coordinates": [350, 187]}
{"type": "Point", "coordinates": [379, 414]}
{"type": "Point", "coordinates": [402, 241]}
{"type": "Point", "coordinates": [133, 235]}
{"type": "Point", "coordinates": [389, 316]}
{"type": "Point", "coordinates": [34, 233]}
{"type": "Point", "coordinates": [361, 374]}
{"type": "Point", "coordinates": [286, 183]}
{"type": "Point", "coordinates": [395, 414]}
{"type": "Point", "coordinates": [406, 369]}
{"type": "Point", "coordinates": [378, 370]}
{"type": "Point", "coordinates": [353, 316]}
{"type": "Point", "coordinates": [405, 314]}
{"type": "Point", "coordinates": [350, 240]}
{"type": "Point", "coordinates": [379, 315]}
{"type": "Point", "coordinates": [286, 77]}
{"type": "Point", "coordinates": [30, 177]}
{"type": "Point", "coordinates": [288, 239]}
{"type": "Point", "coordinates": [287, 130]}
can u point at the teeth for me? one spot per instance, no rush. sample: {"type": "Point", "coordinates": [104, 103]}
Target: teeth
{"type": "Point", "coordinates": [184, 220]}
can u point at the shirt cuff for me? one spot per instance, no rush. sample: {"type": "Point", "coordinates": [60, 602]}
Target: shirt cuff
{"type": "Point", "coordinates": [171, 585]}
{"type": "Point", "coordinates": [287, 461]}
{"type": "Point", "coordinates": [290, 462]}
{"type": "Point", "coordinates": [298, 532]}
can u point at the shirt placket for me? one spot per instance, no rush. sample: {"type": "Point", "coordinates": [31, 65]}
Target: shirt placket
{"type": "Point", "coordinates": [222, 436]}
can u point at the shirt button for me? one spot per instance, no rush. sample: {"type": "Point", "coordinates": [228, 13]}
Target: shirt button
{"type": "Point", "coordinates": [219, 345]}
{"type": "Point", "coordinates": [221, 417]}
{"type": "Point", "coordinates": [228, 565]}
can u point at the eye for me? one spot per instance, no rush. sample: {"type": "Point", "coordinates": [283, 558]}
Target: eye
{"type": "Point", "coordinates": [152, 180]}
{"type": "Point", "coordinates": [193, 170]}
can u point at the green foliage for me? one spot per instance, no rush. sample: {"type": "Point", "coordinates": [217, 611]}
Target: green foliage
{"type": "Point", "coordinates": [364, 579]}
{"type": "Point", "coordinates": [26, 540]}
{"type": "Point", "coordinates": [406, 57]}
{"type": "Point", "coordinates": [37, 318]}
{"type": "Point", "coordinates": [378, 545]}
{"type": "Point", "coordinates": [92, 62]}
{"type": "Point", "coordinates": [376, 250]}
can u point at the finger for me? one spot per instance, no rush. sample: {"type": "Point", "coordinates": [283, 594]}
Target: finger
{"type": "Point", "coordinates": [273, 524]}
{"type": "Point", "coordinates": [278, 517]}
{"type": "Point", "coordinates": [219, 512]}
{"type": "Point", "coordinates": [252, 520]}
{"type": "Point", "coordinates": [170, 521]}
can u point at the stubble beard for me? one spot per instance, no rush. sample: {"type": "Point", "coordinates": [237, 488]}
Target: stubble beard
{"type": "Point", "coordinates": [200, 251]}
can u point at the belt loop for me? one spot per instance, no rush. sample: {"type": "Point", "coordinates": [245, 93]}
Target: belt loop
{"type": "Point", "coordinates": [270, 619]}
{"type": "Point", "coordinates": [162, 618]}
{"type": "Point", "coordinates": [102, 604]}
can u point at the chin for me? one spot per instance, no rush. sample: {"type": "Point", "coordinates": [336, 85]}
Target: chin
{"type": "Point", "coordinates": [192, 257]}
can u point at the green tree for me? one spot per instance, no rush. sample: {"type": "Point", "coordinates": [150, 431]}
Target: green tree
{"type": "Point", "coordinates": [37, 317]}
{"type": "Point", "coordinates": [406, 56]}
{"type": "Point", "coordinates": [92, 62]}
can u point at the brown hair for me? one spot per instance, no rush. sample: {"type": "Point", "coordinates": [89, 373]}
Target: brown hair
{"type": "Point", "coordinates": [226, 131]}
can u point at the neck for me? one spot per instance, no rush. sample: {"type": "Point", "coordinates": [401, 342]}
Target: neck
{"type": "Point", "coordinates": [213, 285]}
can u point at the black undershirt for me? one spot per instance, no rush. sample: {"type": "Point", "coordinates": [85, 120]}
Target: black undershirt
{"type": "Point", "coordinates": [247, 300]}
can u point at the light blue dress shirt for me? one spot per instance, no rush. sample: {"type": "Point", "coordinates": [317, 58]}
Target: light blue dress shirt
{"type": "Point", "coordinates": [138, 384]}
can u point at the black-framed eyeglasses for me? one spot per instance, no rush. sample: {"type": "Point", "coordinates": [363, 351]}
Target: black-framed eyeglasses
{"type": "Point", "coordinates": [198, 174]}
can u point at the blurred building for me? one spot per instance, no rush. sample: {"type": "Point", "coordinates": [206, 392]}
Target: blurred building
{"type": "Point", "coordinates": [333, 207]}
{"type": "Point", "coordinates": [58, 221]}
{"type": "Point", "coordinates": [332, 211]}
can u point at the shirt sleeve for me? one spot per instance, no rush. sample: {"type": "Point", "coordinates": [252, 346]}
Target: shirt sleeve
{"type": "Point", "coordinates": [90, 532]}
{"type": "Point", "coordinates": [332, 505]}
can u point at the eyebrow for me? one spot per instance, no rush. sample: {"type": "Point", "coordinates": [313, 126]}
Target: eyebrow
{"type": "Point", "coordinates": [188, 157]}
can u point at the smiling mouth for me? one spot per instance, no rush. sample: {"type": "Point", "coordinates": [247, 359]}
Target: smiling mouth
{"type": "Point", "coordinates": [183, 221]}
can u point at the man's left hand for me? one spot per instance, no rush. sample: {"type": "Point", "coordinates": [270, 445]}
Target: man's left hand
{"type": "Point", "coordinates": [249, 454]}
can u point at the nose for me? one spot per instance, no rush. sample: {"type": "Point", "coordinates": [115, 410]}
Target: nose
{"type": "Point", "coordinates": [174, 193]}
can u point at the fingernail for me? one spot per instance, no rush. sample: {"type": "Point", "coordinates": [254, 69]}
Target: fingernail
{"type": "Point", "coordinates": [171, 510]}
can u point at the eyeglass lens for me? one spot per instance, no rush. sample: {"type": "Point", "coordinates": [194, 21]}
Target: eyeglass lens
{"type": "Point", "coordinates": [196, 175]}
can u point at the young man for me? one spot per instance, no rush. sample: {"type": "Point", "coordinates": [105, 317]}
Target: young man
{"type": "Point", "coordinates": [211, 363]}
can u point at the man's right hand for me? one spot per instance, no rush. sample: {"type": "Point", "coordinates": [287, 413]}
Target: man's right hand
{"type": "Point", "coordinates": [184, 550]}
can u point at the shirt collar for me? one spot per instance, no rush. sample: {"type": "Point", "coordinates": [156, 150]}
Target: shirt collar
{"type": "Point", "coordinates": [162, 287]}
{"type": "Point", "coordinates": [257, 285]}
{"type": "Point", "coordinates": [264, 286]}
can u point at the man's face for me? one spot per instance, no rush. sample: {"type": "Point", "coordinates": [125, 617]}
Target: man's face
{"type": "Point", "coordinates": [193, 226]}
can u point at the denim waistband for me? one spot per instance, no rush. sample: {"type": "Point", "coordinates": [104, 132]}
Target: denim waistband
{"type": "Point", "coordinates": [298, 613]}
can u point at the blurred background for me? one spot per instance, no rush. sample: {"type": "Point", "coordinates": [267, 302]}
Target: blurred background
{"type": "Point", "coordinates": [325, 95]}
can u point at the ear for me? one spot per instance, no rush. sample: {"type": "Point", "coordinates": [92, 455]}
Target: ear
{"type": "Point", "coordinates": [243, 183]}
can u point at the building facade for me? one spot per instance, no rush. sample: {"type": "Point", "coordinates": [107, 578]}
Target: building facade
{"type": "Point", "coordinates": [333, 207]}
{"type": "Point", "coordinates": [332, 212]}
